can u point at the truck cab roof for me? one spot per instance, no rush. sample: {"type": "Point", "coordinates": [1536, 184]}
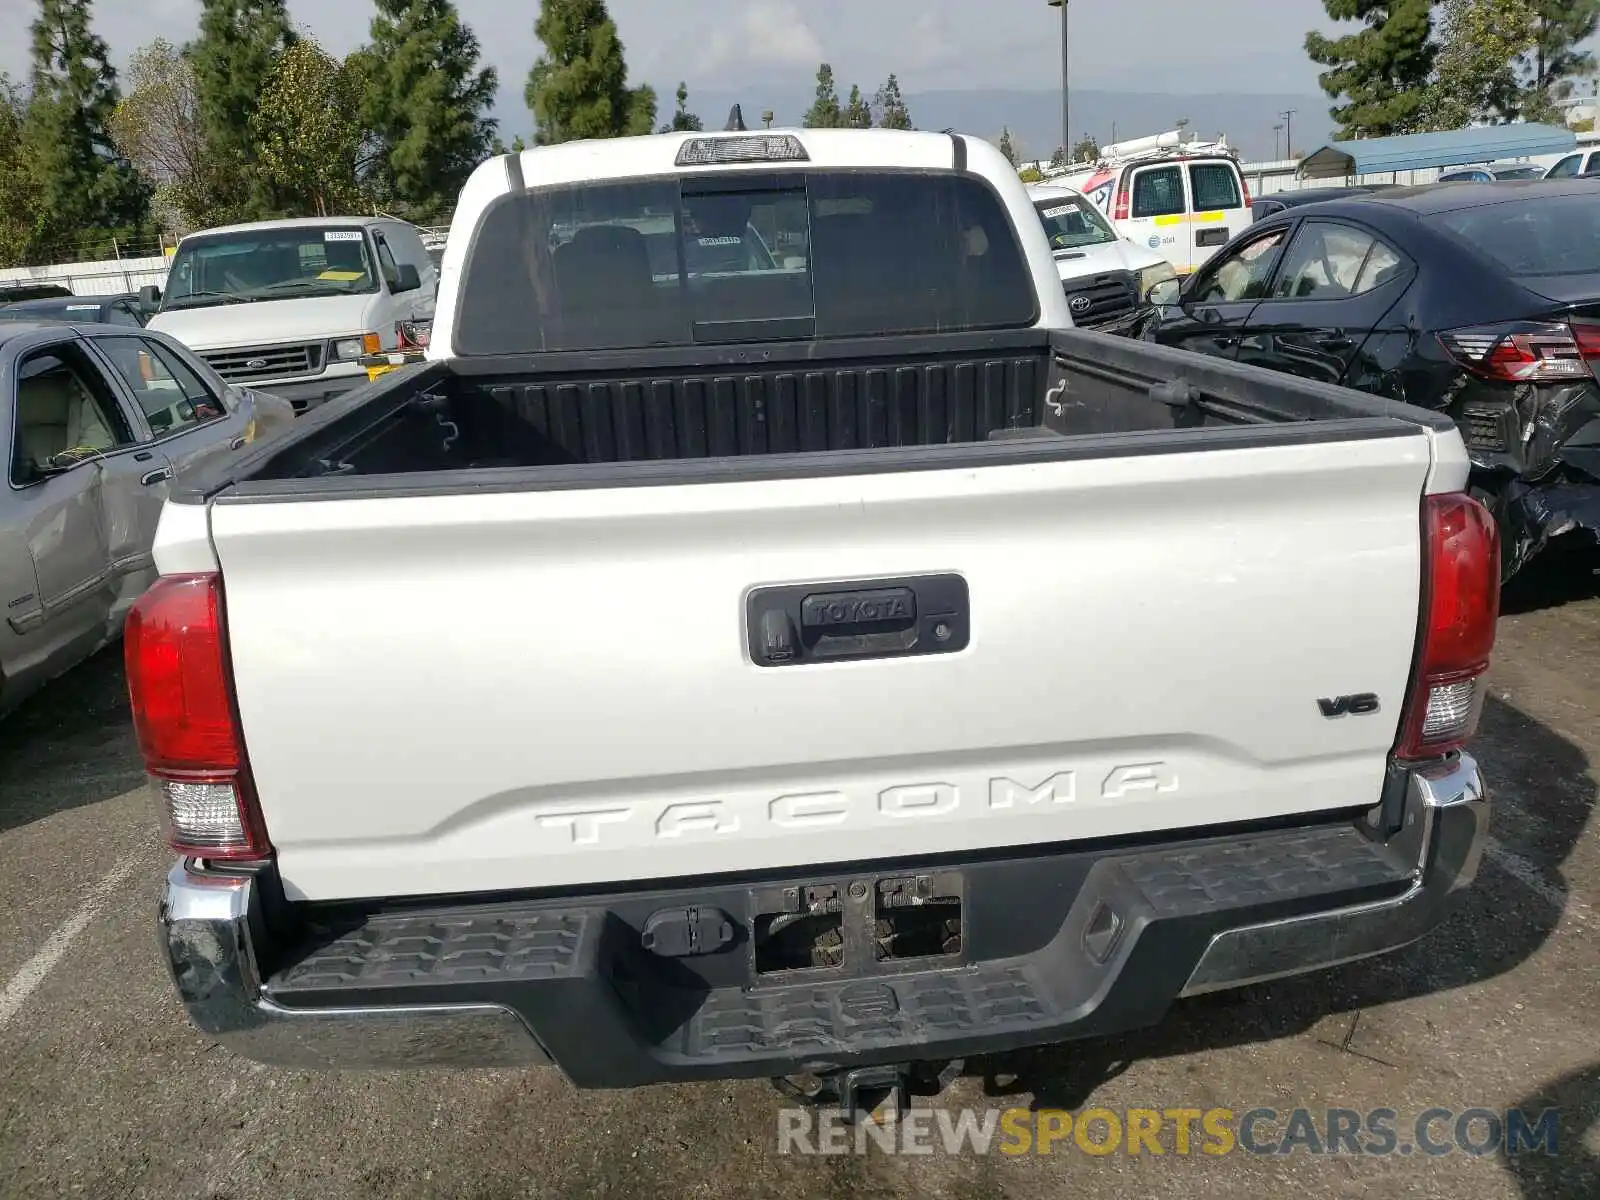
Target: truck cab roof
{"type": "Point", "coordinates": [356, 222]}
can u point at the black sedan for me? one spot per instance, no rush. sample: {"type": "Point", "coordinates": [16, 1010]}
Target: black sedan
{"type": "Point", "coordinates": [1274, 203]}
{"type": "Point", "coordinates": [1482, 300]}
{"type": "Point", "coordinates": [79, 310]}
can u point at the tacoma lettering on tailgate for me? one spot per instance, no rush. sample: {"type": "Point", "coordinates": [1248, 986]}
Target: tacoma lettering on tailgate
{"type": "Point", "coordinates": [702, 819]}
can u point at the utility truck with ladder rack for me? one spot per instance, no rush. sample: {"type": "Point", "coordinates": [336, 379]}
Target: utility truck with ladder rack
{"type": "Point", "coordinates": [1183, 199]}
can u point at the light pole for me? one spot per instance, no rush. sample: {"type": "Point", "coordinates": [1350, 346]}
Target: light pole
{"type": "Point", "coordinates": [1277, 142]}
{"type": "Point", "coordinates": [1288, 132]}
{"type": "Point", "coordinates": [1066, 108]}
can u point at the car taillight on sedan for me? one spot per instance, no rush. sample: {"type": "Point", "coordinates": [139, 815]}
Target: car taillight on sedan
{"type": "Point", "coordinates": [1526, 351]}
{"type": "Point", "coordinates": [1460, 608]}
{"type": "Point", "coordinates": [186, 722]}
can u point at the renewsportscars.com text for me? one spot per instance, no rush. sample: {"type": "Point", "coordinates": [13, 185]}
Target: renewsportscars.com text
{"type": "Point", "coordinates": [1179, 1132]}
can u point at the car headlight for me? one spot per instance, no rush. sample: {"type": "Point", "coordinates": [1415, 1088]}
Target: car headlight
{"type": "Point", "coordinates": [1152, 275]}
{"type": "Point", "coordinates": [347, 349]}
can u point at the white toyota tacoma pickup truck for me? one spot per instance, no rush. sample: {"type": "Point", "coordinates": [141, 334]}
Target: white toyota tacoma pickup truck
{"type": "Point", "coordinates": [714, 662]}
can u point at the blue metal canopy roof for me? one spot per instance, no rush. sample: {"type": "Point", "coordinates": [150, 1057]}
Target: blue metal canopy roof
{"type": "Point", "coordinates": [1454, 147]}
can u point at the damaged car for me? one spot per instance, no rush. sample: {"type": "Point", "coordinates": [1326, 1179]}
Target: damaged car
{"type": "Point", "coordinates": [1482, 301]}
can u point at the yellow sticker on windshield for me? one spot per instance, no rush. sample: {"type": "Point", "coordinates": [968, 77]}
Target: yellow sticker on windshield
{"type": "Point", "coordinates": [341, 276]}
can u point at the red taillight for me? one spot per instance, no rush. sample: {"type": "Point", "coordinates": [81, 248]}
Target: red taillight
{"type": "Point", "coordinates": [183, 714]}
{"type": "Point", "coordinates": [1460, 607]}
{"type": "Point", "coordinates": [1526, 351]}
{"type": "Point", "coordinates": [1245, 184]}
{"type": "Point", "coordinates": [1123, 204]}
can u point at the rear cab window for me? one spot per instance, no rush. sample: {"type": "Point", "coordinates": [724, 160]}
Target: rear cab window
{"type": "Point", "coordinates": [717, 259]}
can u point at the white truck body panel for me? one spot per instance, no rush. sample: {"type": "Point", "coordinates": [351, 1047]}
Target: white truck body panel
{"type": "Point", "coordinates": [428, 718]}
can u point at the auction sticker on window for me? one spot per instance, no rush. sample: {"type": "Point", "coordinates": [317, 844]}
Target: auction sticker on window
{"type": "Point", "coordinates": [1050, 213]}
{"type": "Point", "coordinates": [342, 235]}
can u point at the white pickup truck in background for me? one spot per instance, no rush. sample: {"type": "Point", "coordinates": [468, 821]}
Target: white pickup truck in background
{"type": "Point", "coordinates": [706, 666]}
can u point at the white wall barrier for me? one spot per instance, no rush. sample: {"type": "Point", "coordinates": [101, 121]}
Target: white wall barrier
{"type": "Point", "coordinates": [108, 278]}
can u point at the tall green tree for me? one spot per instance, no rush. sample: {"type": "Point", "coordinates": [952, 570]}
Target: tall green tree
{"type": "Point", "coordinates": [825, 111]}
{"type": "Point", "coordinates": [1561, 27]}
{"type": "Point", "coordinates": [857, 112]}
{"type": "Point", "coordinates": [82, 182]}
{"type": "Point", "coordinates": [1381, 73]}
{"type": "Point", "coordinates": [19, 188]}
{"type": "Point", "coordinates": [1008, 147]}
{"type": "Point", "coordinates": [1087, 150]}
{"type": "Point", "coordinates": [683, 121]}
{"type": "Point", "coordinates": [425, 101]}
{"type": "Point", "coordinates": [1481, 45]}
{"type": "Point", "coordinates": [307, 131]}
{"type": "Point", "coordinates": [641, 110]}
{"type": "Point", "coordinates": [579, 87]}
{"type": "Point", "coordinates": [236, 53]}
{"type": "Point", "coordinates": [890, 106]}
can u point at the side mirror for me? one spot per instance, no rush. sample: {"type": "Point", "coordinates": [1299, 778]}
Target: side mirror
{"type": "Point", "coordinates": [410, 280]}
{"type": "Point", "coordinates": [1165, 293]}
{"type": "Point", "coordinates": [150, 297]}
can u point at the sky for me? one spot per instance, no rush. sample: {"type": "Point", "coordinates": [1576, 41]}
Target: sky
{"type": "Point", "coordinates": [1172, 46]}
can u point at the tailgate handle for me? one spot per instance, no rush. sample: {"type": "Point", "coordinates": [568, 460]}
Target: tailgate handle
{"type": "Point", "coordinates": [834, 622]}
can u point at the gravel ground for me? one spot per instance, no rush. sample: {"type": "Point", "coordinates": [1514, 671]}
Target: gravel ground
{"type": "Point", "coordinates": [105, 1092]}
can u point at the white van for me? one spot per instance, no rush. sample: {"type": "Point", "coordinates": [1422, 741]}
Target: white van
{"type": "Point", "coordinates": [292, 307]}
{"type": "Point", "coordinates": [1184, 200]}
{"type": "Point", "coordinates": [1106, 277]}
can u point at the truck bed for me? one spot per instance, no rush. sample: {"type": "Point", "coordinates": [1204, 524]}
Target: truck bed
{"type": "Point", "coordinates": [549, 624]}
{"type": "Point", "coordinates": [711, 408]}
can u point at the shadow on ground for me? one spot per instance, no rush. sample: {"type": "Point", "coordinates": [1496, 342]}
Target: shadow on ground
{"type": "Point", "coordinates": [1572, 1172]}
{"type": "Point", "coordinates": [1476, 943]}
{"type": "Point", "coordinates": [69, 744]}
{"type": "Point", "coordinates": [1568, 572]}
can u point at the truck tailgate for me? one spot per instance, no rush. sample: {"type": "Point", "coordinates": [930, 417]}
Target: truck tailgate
{"type": "Point", "coordinates": [516, 689]}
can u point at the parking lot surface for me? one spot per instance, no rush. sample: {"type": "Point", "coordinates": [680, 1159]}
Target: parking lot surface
{"type": "Point", "coordinates": [106, 1092]}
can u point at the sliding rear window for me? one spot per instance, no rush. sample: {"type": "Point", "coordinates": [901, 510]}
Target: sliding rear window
{"type": "Point", "coordinates": [742, 257]}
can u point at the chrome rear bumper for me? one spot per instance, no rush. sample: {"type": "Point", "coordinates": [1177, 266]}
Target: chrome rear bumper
{"type": "Point", "coordinates": [214, 936]}
{"type": "Point", "coordinates": [1446, 824]}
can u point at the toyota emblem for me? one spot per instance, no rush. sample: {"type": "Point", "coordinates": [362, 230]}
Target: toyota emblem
{"type": "Point", "coordinates": [1080, 305]}
{"type": "Point", "coordinates": [256, 364]}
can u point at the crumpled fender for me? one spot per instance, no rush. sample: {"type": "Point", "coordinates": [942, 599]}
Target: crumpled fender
{"type": "Point", "coordinates": [1533, 513]}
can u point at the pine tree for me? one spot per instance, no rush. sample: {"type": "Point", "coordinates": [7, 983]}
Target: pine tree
{"type": "Point", "coordinates": [82, 183]}
{"type": "Point", "coordinates": [1560, 28]}
{"type": "Point", "coordinates": [641, 110]}
{"type": "Point", "coordinates": [1382, 72]}
{"type": "Point", "coordinates": [18, 185]}
{"type": "Point", "coordinates": [579, 87]}
{"type": "Point", "coordinates": [683, 121]}
{"type": "Point", "coordinates": [857, 114]}
{"type": "Point", "coordinates": [824, 112]}
{"type": "Point", "coordinates": [890, 106]}
{"type": "Point", "coordinates": [425, 102]}
{"type": "Point", "coordinates": [236, 53]}
{"type": "Point", "coordinates": [1007, 148]}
